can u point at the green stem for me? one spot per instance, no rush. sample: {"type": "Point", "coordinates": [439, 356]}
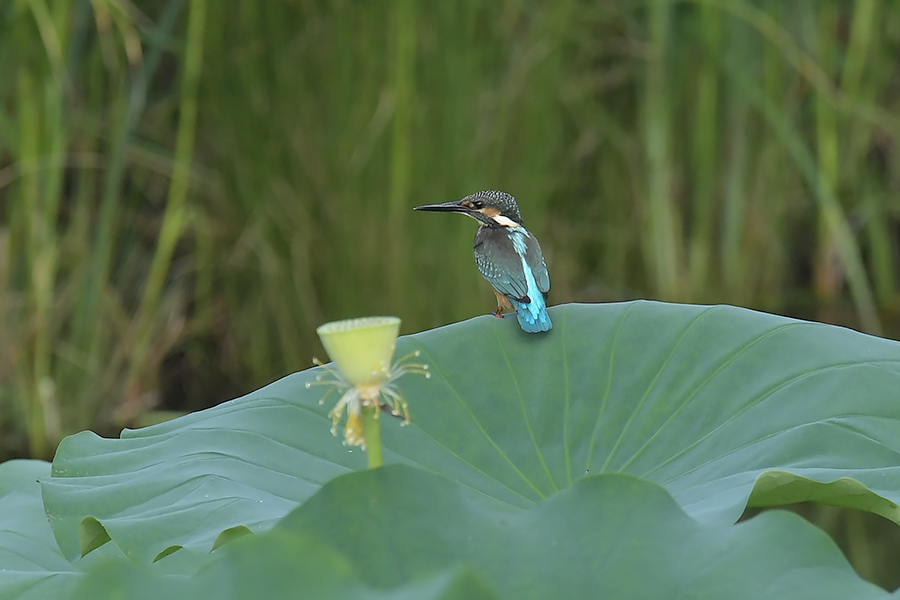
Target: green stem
{"type": "Point", "coordinates": [175, 215]}
{"type": "Point", "coordinates": [373, 437]}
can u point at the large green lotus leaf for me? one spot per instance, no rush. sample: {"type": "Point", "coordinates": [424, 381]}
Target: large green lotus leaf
{"type": "Point", "coordinates": [702, 400]}
{"type": "Point", "coordinates": [31, 564]}
{"type": "Point", "coordinates": [394, 532]}
{"type": "Point", "coordinates": [281, 565]}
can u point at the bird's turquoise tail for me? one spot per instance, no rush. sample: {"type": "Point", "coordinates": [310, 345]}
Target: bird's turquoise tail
{"type": "Point", "coordinates": [533, 316]}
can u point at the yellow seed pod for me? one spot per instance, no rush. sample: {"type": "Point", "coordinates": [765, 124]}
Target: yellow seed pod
{"type": "Point", "coordinates": [361, 349]}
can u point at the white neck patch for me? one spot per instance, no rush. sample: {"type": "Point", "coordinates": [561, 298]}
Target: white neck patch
{"type": "Point", "coordinates": [504, 221]}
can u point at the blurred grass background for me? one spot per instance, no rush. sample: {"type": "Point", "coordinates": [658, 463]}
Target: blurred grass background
{"type": "Point", "coordinates": [188, 188]}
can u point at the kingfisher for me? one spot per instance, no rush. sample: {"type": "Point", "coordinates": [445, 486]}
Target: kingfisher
{"type": "Point", "coordinates": [507, 255]}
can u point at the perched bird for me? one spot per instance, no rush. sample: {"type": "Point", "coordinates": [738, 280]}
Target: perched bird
{"type": "Point", "coordinates": [507, 255]}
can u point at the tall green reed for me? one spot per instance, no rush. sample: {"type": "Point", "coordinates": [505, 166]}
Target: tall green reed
{"type": "Point", "coordinates": [77, 85]}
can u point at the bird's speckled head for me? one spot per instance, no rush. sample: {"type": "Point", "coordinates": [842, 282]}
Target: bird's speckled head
{"type": "Point", "coordinates": [489, 201]}
{"type": "Point", "coordinates": [491, 208]}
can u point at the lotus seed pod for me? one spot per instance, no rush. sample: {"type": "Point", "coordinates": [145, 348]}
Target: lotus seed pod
{"type": "Point", "coordinates": [361, 349]}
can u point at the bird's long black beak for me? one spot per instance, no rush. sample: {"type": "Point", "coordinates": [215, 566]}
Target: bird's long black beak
{"type": "Point", "coordinates": [454, 206]}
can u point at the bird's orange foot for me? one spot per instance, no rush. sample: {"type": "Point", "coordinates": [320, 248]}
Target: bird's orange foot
{"type": "Point", "coordinates": [499, 312]}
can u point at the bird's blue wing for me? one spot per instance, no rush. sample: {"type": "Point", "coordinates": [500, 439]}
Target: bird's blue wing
{"type": "Point", "coordinates": [498, 254]}
{"type": "Point", "coordinates": [500, 264]}
{"type": "Point", "coordinates": [535, 259]}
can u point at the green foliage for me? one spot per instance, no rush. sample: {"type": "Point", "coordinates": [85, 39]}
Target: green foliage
{"type": "Point", "coordinates": [380, 533]}
{"type": "Point", "coordinates": [628, 439]}
{"type": "Point", "coordinates": [167, 172]}
{"type": "Point", "coordinates": [33, 568]}
{"type": "Point", "coordinates": [72, 261]}
{"type": "Point", "coordinates": [186, 191]}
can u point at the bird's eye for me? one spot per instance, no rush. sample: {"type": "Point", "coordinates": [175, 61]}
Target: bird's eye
{"type": "Point", "coordinates": [477, 204]}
